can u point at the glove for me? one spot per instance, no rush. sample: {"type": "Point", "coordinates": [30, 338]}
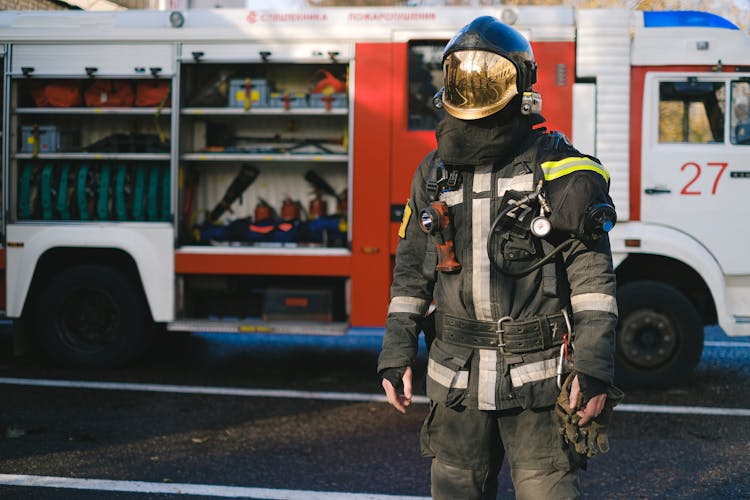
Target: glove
{"type": "Point", "coordinates": [590, 386]}
{"type": "Point", "coordinates": [592, 438]}
{"type": "Point", "coordinates": [395, 377]}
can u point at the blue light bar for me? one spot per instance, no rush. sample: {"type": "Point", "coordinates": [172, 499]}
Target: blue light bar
{"type": "Point", "coordinates": [685, 18]}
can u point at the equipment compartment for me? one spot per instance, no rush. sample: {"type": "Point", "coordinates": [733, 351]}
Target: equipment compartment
{"type": "Point", "coordinates": [261, 164]}
{"type": "Point", "coordinates": [90, 149]}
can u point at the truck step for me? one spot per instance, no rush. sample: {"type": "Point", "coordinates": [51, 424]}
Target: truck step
{"type": "Point", "coordinates": [256, 326]}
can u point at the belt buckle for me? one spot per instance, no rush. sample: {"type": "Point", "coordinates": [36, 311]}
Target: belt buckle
{"type": "Point", "coordinates": [499, 331]}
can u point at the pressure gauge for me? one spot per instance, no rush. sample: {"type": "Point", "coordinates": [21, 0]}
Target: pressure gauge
{"type": "Point", "coordinates": [540, 227]}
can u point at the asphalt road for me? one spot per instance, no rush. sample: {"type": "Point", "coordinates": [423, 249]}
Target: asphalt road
{"type": "Point", "coordinates": [297, 417]}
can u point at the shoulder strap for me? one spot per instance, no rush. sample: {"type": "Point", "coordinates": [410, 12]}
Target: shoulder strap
{"type": "Point", "coordinates": [434, 175]}
{"type": "Point", "coordinates": [441, 179]}
{"type": "Point", "coordinates": [531, 154]}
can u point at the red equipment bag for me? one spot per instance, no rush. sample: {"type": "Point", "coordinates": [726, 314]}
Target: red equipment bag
{"type": "Point", "coordinates": [109, 94]}
{"type": "Point", "coordinates": [58, 94]}
{"type": "Point", "coordinates": [328, 85]}
{"type": "Point", "coordinates": [151, 93]}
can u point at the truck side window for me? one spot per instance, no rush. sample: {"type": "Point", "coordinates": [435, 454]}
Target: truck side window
{"type": "Point", "coordinates": [691, 112]}
{"type": "Point", "coordinates": [425, 79]}
{"type": "Point", "coordinates": [739, 127]}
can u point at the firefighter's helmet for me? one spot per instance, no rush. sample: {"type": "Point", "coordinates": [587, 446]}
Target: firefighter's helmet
{"type": "Point", "coordinates": [485, 65]}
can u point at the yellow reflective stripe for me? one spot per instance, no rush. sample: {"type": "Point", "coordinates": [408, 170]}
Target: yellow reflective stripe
{"type": "Point", "coordinates": [556, 169]}
{"type": "Point", "coordinates": [404, 221]}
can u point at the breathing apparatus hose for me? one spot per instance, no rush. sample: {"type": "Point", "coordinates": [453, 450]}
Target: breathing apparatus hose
{"type": "Point", "coordinates": [517, 274]}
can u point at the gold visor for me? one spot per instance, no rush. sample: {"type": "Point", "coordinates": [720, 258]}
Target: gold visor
{"type": "Point", "coordinates": [477, 83]}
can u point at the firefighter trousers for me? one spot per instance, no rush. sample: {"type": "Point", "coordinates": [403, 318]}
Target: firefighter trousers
{"type": "Point", "coordinates": [468, 447]}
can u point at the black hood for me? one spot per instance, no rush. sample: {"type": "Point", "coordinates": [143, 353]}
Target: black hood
{"type": "Point", "coordinates": [464, 144]}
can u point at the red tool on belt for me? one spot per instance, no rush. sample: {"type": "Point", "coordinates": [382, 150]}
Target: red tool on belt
{"type": "Point", "coordinates": [436, 220]}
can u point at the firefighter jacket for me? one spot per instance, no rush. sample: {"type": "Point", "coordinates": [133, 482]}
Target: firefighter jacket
{"type": "Point", "coordinates": [464, 367]}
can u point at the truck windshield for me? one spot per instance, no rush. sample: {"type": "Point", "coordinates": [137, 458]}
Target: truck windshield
{"type": "Point", "coordinates": [691, 111]}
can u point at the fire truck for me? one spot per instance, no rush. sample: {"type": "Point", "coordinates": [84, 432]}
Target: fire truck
{"type": "Point", "coordinates": [246, 170]}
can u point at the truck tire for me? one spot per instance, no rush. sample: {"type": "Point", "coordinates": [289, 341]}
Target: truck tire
{"type": "Point", "coordinates": [659, 336]}
{"type": "Point", "coordinates": [91, 315]}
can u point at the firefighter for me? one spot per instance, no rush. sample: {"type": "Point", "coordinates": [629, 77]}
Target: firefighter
{"type": "Point", "coordinates": [505, 231]}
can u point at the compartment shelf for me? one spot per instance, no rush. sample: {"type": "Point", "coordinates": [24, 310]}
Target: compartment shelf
{"type": "Point", "coordinates": [264, 157]}
{"type": "Point", "coordinates": [92, 111]}
{"type": "Point", "coordinates": [275, 249]}
{"type": "Point", "coordinates": [265, 111]}
{"type": "Point", "coordinates": [93, 156]}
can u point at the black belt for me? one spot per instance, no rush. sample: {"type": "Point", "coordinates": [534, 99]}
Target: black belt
{"type": "Point", "coordinates": [514, 337]}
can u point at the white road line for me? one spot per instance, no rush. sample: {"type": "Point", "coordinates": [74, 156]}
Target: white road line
{"type": "Point", "coordinates": [189, 489]}
{"type": "Point", "coordinates": [684, 410]}
{"type": "Point", "coordinates": [723, 343]}
{"type": "Point", "coordinates": [332, 396]}
{"type": "Point", "coordinates": [213, 391]}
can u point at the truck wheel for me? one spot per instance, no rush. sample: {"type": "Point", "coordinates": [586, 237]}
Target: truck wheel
{"type": "Point", "coordinates": [91, 315]}
{"type": "Point", "coordinates": [659, 336]}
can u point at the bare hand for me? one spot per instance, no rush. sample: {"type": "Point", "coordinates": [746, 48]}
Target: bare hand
{"type": "Point", "coordinates": [593, 407]}
{"type": "Point", "coordinates": [399, 401]}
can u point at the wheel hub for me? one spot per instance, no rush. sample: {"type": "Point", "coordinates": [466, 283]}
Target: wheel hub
{"type": "Point", "coordinates": [89, 319]}
{"type": "Point", "coordinates": [648, 339]}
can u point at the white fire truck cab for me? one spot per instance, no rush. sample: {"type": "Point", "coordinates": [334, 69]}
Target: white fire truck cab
{"type": "Point", "coordinates": [246, 171]}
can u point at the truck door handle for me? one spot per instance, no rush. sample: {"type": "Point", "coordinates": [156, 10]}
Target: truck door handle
{"type": "Point", "coordinates": [657, 191]}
